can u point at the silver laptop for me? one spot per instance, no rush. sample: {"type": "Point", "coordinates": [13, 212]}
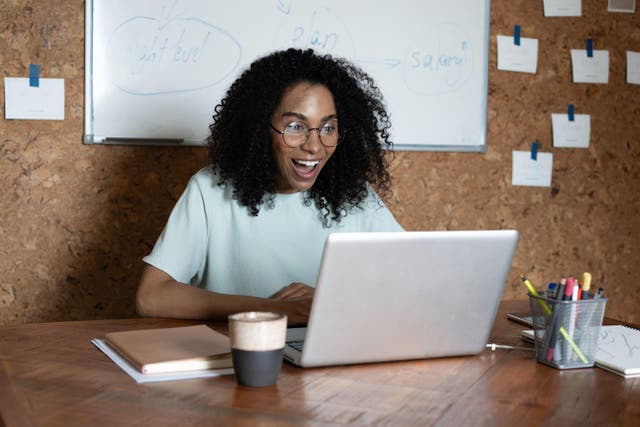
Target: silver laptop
{"type": "Point", "coordinates": [398, 296]}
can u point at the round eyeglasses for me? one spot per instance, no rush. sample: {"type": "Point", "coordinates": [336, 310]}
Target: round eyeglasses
{"type": "Point", "coordinates": [297, 133]}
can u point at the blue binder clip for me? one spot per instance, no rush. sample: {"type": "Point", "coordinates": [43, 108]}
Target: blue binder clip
{"type": "Point", "coordinates": [571, 114]}
{"type": "Point", "coordinates": [516, 35]}
{"type": "Point", "coordinates": [534, 151]}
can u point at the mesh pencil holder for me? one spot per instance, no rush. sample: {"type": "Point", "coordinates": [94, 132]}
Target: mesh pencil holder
{"type": "Point", "coordinates": [566, 332]}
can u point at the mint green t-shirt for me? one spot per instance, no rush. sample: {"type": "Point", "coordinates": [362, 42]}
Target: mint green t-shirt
{"type": "Point", "coordinates": [213, 242]}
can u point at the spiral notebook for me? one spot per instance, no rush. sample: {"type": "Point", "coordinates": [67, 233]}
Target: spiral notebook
{"type": "Point", "coordinates": [618, 349]}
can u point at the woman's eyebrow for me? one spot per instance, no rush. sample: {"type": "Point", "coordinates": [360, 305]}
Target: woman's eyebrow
{"type": "Point", "coordinates": [303, 117]}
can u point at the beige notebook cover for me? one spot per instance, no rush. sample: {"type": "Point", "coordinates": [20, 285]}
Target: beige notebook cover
{"type": "Point", "coordinates": [180, 349]}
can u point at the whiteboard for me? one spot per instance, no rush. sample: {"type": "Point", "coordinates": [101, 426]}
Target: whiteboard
{"type": "Point", "coordinates": [155, 69]}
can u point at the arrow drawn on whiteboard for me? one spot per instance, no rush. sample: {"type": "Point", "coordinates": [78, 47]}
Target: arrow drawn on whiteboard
{"type": "Point", "coordinates": [387, 62]}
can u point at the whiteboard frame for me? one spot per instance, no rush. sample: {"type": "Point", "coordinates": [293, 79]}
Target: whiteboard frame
{"type": "Point", "coordinates": [89, 136]}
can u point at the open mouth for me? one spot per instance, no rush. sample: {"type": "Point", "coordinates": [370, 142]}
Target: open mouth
{"type": "Point", "coordinates": [304, 168]}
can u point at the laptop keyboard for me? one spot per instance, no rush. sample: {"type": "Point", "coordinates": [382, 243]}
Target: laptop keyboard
{"type": "Point", "coordinates": [296, 344]}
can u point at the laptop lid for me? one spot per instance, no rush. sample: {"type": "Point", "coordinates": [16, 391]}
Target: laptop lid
{"type": "Point", "coordinates": [406, 295]}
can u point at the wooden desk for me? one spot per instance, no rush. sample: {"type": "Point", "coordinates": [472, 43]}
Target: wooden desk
{"type": "Point", "coordinates": [51, 375]}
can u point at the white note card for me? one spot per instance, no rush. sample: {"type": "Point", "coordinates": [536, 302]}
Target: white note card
{"type": "Point", "coordinates": [567, 133]}
{"type": "Point", "coordinates": [587, 69]}
{"type": "Point", "coordinates": [633, 67]}
{"type": "Point", "coordinates": [529, 172]}
{"type": "Point", "coordinates": [562, 7]}
{"type": "Point", "coordinates": [22, 101]}
{"type": "Point", "coordinates": [628, 6]}
{"type": "Point", "coordinates": [522, 58]}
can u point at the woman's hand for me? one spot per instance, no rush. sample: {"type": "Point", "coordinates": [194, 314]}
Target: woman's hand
{"type": "Point", "coordinates": [159, 295]}
{"type": "Point", "coordinates": [296, 299]}
{"type": "Point", "coordinates": [293, 291]}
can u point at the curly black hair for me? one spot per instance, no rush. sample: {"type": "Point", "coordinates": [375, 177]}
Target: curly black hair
{"type": "Point", "coordinates": [241, 153]}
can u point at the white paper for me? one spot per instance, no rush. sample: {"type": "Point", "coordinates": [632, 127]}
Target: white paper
{"type": "Point", "coordinates": [568, 133]}
{"type": "Point", "coordinates": [529, 172]}
{"type": "Point", "coordinates": [633, 67]}
{"type": "Point", "coordinates": [22, 101]}
{"type": "Point", "coordinates": [523, 58]}
{"type": "Point", "coordinates": [562, 7]}
{"type": "Point", "coordinates": [590, 70]}
{"type": "Point", "coordinates": [622, 6]}
{"type": "Point", "coordinates": [140, 378]}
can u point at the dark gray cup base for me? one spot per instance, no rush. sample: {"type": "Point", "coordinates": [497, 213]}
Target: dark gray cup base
{"type": "Point", "coordinates": [257, 368]}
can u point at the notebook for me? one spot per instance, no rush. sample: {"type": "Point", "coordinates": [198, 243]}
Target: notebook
{"type": "Point", "coordinates": [179, 349]}
{"type": "Point", "coordinates": [618, 349]}
{"type": "Point", "coordinates": [404, 295]}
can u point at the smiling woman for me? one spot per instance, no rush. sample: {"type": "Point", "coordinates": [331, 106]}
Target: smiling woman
{"type": "Point", "coordinates": [296, 151]}
{"type": "Point", "coordinates": [299, 153]}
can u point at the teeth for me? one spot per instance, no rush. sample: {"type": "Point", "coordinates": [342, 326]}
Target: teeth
{"type": "Point", "coordinates": [307, 162]}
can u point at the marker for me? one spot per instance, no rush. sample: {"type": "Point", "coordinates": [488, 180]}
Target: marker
{"type": "Point", "coordinates": [572, 284]}
{"type": "Point", "coordinates": [586, 284]}
{"type": "Point", "coordinates": [547, 309]}
{"type": "Point", "coordinates": [568, 290]}
{"type": "Point", "coordinates": [574, 292]}
{"type": "Point", "coordinates": [552, 289]}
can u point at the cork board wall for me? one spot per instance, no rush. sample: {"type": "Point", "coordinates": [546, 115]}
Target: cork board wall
{"type": "Point", "coordinates": [76, 219]}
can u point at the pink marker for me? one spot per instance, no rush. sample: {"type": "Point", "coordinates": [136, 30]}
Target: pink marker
{"type": "Point", "coordinates": [568, 290]}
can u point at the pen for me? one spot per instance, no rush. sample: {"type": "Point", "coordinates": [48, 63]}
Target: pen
{"type": "Point", "coordinates": [588, 323]}
{"type": "Point", "coordinates": [547, 309]}
{"type": "Point", "coordinates": [561, 286]}
{"type": "Point", "coordinates": [551, 336]}
{"type": "Point", "coordinates": [493, 347]}
{"type": "Point", "coordinates": [551, 341]}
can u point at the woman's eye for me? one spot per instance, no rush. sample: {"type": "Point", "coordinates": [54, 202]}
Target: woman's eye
{"type": "Point", "coordinates": [328, 129]}
{"type": "Point", "coordinates": [295, 127]}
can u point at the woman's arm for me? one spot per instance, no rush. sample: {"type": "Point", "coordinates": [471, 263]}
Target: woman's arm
{"type": "Point", "coordinates": [159, 295]}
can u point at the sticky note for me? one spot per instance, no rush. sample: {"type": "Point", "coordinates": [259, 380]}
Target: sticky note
{"type": "Point", "coordinates": [567, 133]}
{"type": "Point", "coordinates": [590, 69]}
{"type": "Point", "coordinates": [528, 172]}
{"type": "Point", "coordinates": [633, 67]}
{"type": "Point", "coordinates": [522, 58]}
{"type": "Point", "coordinates": [562, 7]}
{"type": "Point", "coordinates": [23, 101]}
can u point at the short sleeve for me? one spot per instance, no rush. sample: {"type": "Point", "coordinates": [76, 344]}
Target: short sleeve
{"type": "Point", "coordinates": [181, 249]}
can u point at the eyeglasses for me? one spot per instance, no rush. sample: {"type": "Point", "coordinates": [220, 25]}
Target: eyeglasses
{"type": "Point", "coordinates": [297, 133]}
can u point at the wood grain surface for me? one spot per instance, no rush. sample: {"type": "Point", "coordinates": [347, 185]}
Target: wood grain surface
{"type": "Point", "coordinates": [54, 376]}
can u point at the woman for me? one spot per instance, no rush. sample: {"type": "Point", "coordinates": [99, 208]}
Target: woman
{"type": "Point", "coordinates": [295, 145]}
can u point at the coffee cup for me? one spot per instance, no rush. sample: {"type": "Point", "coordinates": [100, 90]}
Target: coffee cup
{"type": "Point", "coordinates": [257, 342]}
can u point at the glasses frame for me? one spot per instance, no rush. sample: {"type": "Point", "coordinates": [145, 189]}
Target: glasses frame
{"type": "Point", "coordinates": [307, 134]}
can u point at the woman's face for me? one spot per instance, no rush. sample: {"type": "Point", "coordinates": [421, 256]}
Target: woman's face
{"type": "Point", "coordinates": [311, 106]}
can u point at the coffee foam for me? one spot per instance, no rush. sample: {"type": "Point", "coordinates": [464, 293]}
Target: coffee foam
{"type": "Point", "coordinates": [257, 331]}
